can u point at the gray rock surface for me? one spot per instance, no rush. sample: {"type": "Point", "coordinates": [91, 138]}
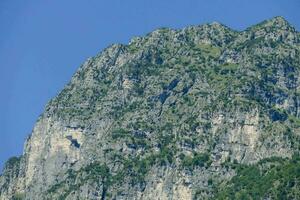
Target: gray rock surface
{"type": "Point", "coordinates": [160, 117]}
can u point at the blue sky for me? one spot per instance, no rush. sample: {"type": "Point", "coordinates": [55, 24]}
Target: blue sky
{"type": "Point", "coordinates": [42, 43]}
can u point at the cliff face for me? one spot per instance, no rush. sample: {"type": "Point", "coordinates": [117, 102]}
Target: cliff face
{"type": "Point", "coordinates": [198, 113]}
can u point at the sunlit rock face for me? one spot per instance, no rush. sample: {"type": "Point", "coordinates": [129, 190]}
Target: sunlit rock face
{"type": "Point", "coordinates": [176, 114]}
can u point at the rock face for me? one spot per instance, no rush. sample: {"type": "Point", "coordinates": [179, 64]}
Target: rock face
{"type": "Point", "coordinates": [205, 112]}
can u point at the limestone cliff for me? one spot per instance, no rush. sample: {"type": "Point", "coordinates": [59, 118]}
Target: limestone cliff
{"type": "Point", "coordinates": [204, 112]}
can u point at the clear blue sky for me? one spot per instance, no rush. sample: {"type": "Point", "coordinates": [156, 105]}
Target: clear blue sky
{"type": "Point", "coordinates": [42, 43]}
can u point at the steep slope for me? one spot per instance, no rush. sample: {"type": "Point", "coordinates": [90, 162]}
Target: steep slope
{"type": "Point", "coordinates": [198, 113]}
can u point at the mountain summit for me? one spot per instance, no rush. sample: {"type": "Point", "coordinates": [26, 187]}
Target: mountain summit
{"type": "Point", "coordinates": [204, 112]}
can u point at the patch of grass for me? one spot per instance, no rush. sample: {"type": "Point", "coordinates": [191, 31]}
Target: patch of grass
{"type": "Point", "coordinates": [208, 50]}
{"type": "Point", "coordinates": [18, 196]}
{"type": "Point", "coordinates": [229, 68]}
{"type": "Point", "coordinates": [196, 160]}
{"type": "Point", "coordinates": [120, 133]}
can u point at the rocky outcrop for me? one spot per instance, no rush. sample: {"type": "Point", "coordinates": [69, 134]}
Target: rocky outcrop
{"type": "Point", "coordinates": [176, 114]}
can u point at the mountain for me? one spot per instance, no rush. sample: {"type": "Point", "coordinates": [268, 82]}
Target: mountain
{"type": "Point", "coordinates": [204, 112]}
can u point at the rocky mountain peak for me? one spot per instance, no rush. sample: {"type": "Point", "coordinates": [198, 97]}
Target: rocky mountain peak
{"type": "Point", "coordinates": [276, 29]}
{"type": "Point", "coordinates": [279, 22]}
{"type": "Point", "coordinates": [203, 112]}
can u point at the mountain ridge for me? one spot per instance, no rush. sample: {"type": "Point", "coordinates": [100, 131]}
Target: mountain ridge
{"type": "Point", "coordinates": [177, 114]}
